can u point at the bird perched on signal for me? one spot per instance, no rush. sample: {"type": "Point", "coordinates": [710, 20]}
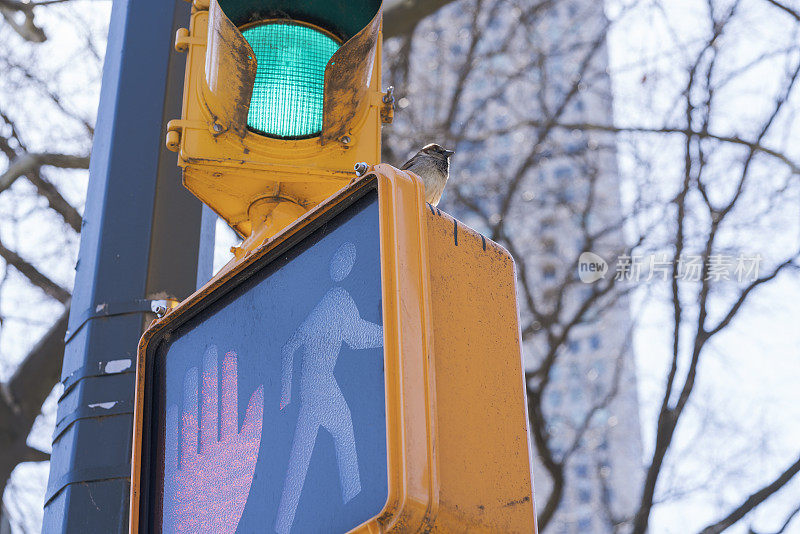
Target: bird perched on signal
{"type": "Point", "coordinates": [432, 164]}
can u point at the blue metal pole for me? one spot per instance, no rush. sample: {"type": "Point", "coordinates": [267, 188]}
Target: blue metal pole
{"type": "Point", "coordinates": [140, 242]}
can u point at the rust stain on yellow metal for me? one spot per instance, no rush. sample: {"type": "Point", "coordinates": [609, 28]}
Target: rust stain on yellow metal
{"type": "Point", "coordinates": [347, 81]}
{"type": "Point", "coordinates": [230, 72]}
{"type": "Point", "coordinates": [228, 166]}
{"type": "Point", "coordinates": [457, 445]}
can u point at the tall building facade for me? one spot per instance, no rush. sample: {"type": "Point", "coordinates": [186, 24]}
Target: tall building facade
{"type": "Point", "coordinates": [511, 85]}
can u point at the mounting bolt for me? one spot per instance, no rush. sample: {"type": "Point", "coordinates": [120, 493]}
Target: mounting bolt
{"type": "Point", "coordinates": [162, 306]}
{"type": "Point", "coordinates": [361, 168]}
{"type": "Point", "coordinates": [388, 98]}
{"type": "Point", "coordinates": [345, 139]}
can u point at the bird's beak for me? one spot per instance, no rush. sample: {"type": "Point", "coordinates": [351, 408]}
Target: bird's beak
{"type": "Point", "coordinates": [448, 153]}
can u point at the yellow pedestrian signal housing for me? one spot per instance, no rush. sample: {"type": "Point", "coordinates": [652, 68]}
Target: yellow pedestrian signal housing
{"type": "Point", "coordinates": [281, 99]}
{"type": "Point", "coordinates": [360, 372]}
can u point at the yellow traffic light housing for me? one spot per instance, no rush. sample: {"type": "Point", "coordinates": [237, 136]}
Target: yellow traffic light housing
{"type": "Point", "coordinates": [429, 432]}
{"type": "Point", "coordinates": [281, 99]}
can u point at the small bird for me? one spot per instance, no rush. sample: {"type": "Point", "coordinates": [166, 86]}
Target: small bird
{"type": "Point", "coordinates": [432, 164]}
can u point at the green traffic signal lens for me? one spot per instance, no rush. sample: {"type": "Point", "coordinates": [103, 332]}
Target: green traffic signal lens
{"type": "Point", "coordinates": [288, 91]}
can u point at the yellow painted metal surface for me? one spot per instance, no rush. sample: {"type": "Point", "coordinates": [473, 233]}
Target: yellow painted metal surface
{"type": "Point", "coordinates": [410, 398]}
{"type": "Point", "coordinates": [483, 450]}
{"type": "Point", "coordinates": [228, 166]}
{"type": "Point", "coordinates": [457, 445]}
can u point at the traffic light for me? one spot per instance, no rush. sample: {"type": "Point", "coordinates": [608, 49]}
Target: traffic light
{"type": "Point", "coordinates": [359, 372]}
{"type": "Point", "coordinates": [281, 99]}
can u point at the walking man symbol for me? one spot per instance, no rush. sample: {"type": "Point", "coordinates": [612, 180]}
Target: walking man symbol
{"type": "Point", "coordinates": [335, 320]}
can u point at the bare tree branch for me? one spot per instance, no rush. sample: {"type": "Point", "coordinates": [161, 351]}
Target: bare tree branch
{"type": "Point", "coordinates": [669, 415]}
{"type": "Point", "coordinates": [786, 9]}
{"type": "Point", "coordinates": [56, 201]}
{"type": "Point", "coordinates": [39, 371]}
{"type": "Point", "coordinates": [753, 500]}
{"type": "Point", "coordinates": [685, 131]}
{"type": "Point", "coordinates": [22, 396]}
{"type": "Point", "coordinates": [725, 321]}
{"type": "Point", "coordinates": [602, 403]}
{"type": "Point", "coordinates": [554, 468]}
{"type": "Point", "coordinates": [35, 455]}
{"type": "Point", "coordinates": [34, 275]}
{"type": "Point", "coordinates": [26, 163]}
{"type": "Point", "coordinates": [544, 132]}
{"type": "Point", "coordinates": [402, 16]}
{"type": "Point", "coordinates": [786, 523]}
{"type": "Point", "coordinates": [28, 29]}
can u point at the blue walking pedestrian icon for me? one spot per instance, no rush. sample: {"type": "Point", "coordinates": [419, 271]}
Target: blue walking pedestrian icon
{"type": "Point", "coordinates": [334, 321]}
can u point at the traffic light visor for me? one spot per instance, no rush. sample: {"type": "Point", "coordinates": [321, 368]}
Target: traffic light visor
{"type": "Point", "coordinates": [289, 85]}
{"type": "Point", "coordinates": [288, 69]}
{"type": "Point", "coordinates": [343, 18]}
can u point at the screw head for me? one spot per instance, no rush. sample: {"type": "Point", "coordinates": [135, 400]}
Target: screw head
{"type": "Point", "coordinates": [345, 139]}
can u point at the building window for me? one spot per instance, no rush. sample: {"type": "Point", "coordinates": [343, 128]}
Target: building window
{"type": "Point", "coordinates": [575, 148]}
{"type": "Point", "coordinates": [575, 373]}
{"type": "Point", "coordinates": [565, 194]}
{"type": "Point", "coordinates": [594, 342]}
{"type": "Point", "coordinates": [584, 495]}
{"type": "Point", "coordinates": [563, 173]}
{"type": "Point", "coordinates": [572, 9]}
{"type": "Point", "coordinates": [574, 346]}
{"type": "Point", "coordinates": [608, 494]}
{"type": "Point", "coordinates": [549, 272]}
{"type": "Point", "coordinates": [582, 470]}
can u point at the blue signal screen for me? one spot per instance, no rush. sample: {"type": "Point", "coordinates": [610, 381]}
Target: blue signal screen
{"type": "Point", "coordinates": [269, 406]}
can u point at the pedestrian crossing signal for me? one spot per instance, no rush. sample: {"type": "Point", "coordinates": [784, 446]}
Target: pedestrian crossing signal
{"type": "Point", "coordinates": [359, 372]}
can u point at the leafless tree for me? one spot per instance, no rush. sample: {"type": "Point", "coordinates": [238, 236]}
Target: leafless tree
{"type": "Point", "coordinates": [46, 116]}
{"type": "Point", "coordinates": [520, 90]}
{"type": "Point", "coordinates": [515, 86]}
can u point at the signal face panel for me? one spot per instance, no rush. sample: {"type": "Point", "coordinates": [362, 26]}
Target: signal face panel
{"type": "Point", "coordinates": [269, 410]}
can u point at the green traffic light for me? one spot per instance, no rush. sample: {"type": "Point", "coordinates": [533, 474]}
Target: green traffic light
{"type": "Point", "coordinates": [288, 91]}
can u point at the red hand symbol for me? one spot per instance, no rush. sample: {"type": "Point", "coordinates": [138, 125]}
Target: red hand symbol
{"type": "Point", "coordinates": [207, 490]}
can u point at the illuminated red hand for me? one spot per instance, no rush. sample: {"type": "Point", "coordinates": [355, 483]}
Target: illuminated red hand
{"type": "Point", "coordinates": [206, 491]}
